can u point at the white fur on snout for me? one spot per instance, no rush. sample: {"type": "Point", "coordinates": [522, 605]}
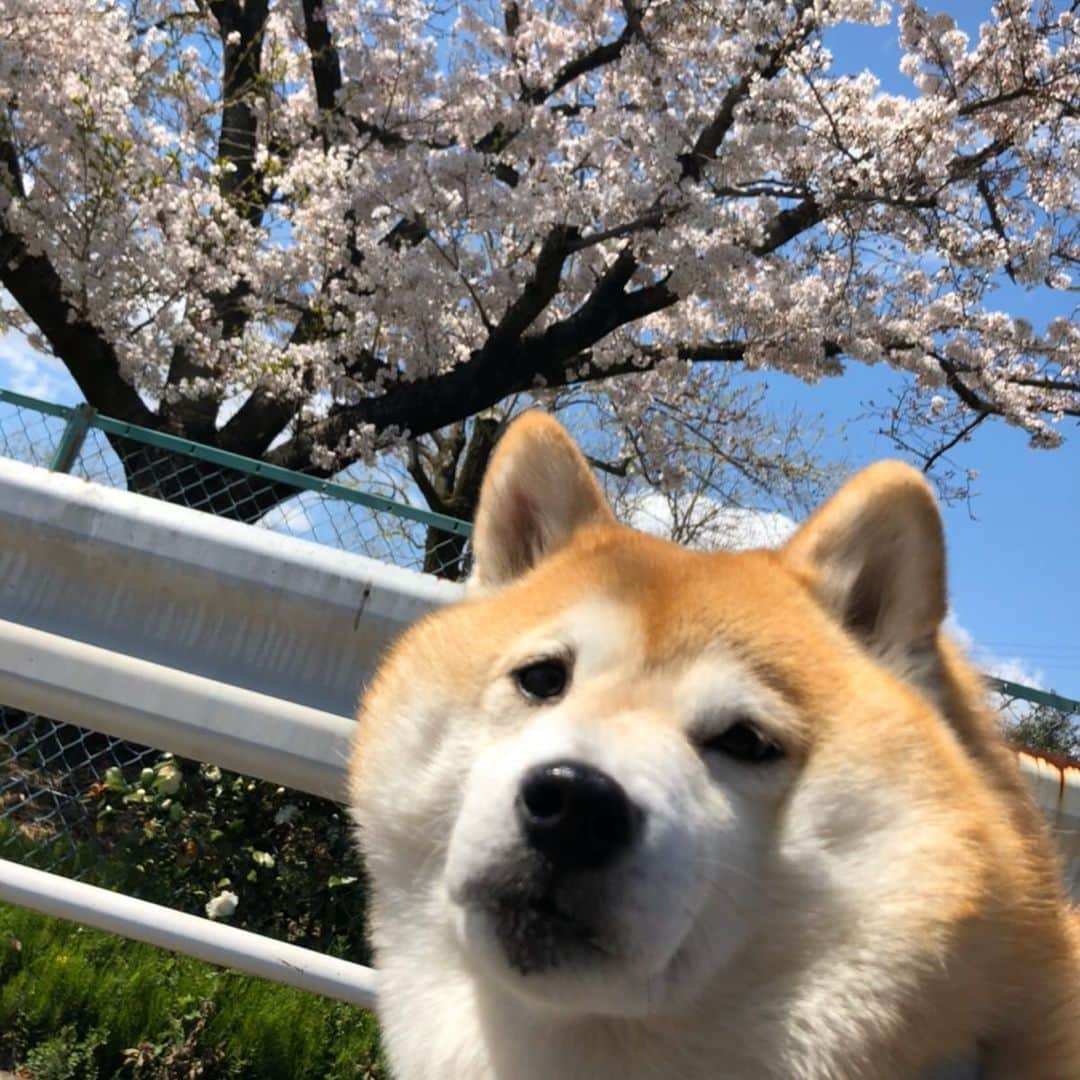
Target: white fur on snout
{"type": "Point", "coordinates": [650, 899]}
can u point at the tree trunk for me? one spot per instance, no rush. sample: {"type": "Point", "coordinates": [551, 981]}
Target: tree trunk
{"type": "Point", "coordinates": [200, 485]}
{"type": "Point", "coordinates": [446, 554]}
{"type": "Point", "coordinates": [449, 475]}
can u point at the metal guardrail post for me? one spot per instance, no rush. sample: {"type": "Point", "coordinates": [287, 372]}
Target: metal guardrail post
{"type": "Point", "coordinates": [82, 416]}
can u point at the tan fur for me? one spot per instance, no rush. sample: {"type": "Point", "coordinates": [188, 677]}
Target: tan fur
{"type": "Point", "coordinates": [905, 905]}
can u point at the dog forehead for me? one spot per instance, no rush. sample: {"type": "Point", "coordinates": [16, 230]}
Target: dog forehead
{"type": "Point", "coordinates": [666, 604]}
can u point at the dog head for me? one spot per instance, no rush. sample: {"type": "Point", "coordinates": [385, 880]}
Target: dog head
{"type": "Point", "coordinates": [618, 765]}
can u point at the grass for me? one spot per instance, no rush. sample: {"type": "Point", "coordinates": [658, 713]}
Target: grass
{"type": "Point", "coordinates": [69, 996]}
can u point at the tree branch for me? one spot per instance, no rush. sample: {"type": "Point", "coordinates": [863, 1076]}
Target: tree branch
{"type": "Point", "coordinates": [509, 361]}
{"type": "Point", "coordinates": [593, 59]}
{"type": "Point", "coordinates": [959, 437]}
{"type": "Point", "coordinates": [620, 468]}
{"type": "Point", "coordinates": [714, 133]}
{"type": "Point", "coordinates": [495, 140]}
{"type": "Point", "coordinates": [264, 415]}
{"type": "Point", "coordinates": [240, 27]}
{"type": "Point", "coordinates": [1064, 386]}
{"type": "Point", "coordinates": [325, 63]}
{"type": "Point", "coordinates": [968, 396]}
{"type": "Point", "coordinates": [431, 494]}
{"type": "Point", "coordinates": [729, 351]}
{"type": "Point", "coordinates": [485, 434]}
{"type": "Point", "coordinates": [242, 68]}
{"type": "Point", "coordinates": [326, 74]}
{"type": "Point", "coordinates": [539, 290]}
{"type": "Point", "coordinates": [85, 352]}
{"type": "Point", "coordinates": [785, 225]}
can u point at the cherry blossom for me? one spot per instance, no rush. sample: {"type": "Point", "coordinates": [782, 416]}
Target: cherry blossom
{"type": "Point", "coordinates": [311, 230]}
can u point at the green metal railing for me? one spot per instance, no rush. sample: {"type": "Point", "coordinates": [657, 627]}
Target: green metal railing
{"type": "Point", "coordinates": [79, 440]}
{"type": "Point", "coordinates": [1069, 706]}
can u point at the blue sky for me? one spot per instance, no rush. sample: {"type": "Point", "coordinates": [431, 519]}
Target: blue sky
{"type": "Point", "coordinates": [1014, 570]}
{"type": "Point", "coordinates": [1014, 567]}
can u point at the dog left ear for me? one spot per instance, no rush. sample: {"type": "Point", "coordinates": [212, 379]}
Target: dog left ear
{"type": "Point", "coordinates": [874, 555]}
{"type": "Point", "coordinates": [537, 491]}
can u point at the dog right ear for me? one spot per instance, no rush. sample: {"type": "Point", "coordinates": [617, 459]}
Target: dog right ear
{"type": "Point", "coordinates": [537, 491]}
{"type": "Point", "coordinates": [874, 555]}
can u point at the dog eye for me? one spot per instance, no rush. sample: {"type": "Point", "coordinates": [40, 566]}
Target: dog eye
{"type": "Point", "coordinates": [743, 742]}
{"type": "Point", "coordinates": [542, 680]}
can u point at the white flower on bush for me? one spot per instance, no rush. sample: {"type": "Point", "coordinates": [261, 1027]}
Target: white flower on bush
{"type": "Point", "coordinates": [222, 906]}
{"type": "Point", "coordinates": [169, 779]}
{"type": "Point", "coordinates": [114, 779]}
{"type": "Point", "coordinates": [286, 814]}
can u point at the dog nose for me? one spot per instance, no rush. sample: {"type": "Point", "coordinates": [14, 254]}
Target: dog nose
{"type": "Point", "coordinates": [574, 815]}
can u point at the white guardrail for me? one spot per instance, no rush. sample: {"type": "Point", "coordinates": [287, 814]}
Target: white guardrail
{"type": "Point", "coordinates": [204, 637]}
{"type": "Point", "coordinates": [231, 645]}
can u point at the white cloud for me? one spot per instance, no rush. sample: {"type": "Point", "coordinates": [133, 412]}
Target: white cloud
{"type": "Point", "coordinates": [710, 525]}
{"type": "Point", "coordinates": [1011, 668]}
{"type": "Point", "coordinates": [27, 371]}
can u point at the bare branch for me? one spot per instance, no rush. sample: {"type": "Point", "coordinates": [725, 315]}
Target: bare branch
{"type": "Point", "coordinates": [963, 434]}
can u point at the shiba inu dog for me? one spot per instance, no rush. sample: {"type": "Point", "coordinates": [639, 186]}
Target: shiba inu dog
{"type": "Point", "coordinates": [634, 811]}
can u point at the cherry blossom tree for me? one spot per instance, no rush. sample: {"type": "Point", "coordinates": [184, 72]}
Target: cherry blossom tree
{"type": "Point", "coordinates": [314, 230]}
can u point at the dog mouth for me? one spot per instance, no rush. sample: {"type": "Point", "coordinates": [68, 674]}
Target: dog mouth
{"type": "Point", "coordinates": [537, 935]}
{"type": "Point", "coordinates": [536, 928]}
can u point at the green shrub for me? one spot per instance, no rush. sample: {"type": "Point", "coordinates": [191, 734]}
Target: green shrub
{"type": "Point", "coordinates": [181, 834]}
{"type": "Point", "coordinates": [65, 1056]}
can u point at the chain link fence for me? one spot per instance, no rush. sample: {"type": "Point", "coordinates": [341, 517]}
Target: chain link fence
{"type": "Point", "coordinates": [119, 455]}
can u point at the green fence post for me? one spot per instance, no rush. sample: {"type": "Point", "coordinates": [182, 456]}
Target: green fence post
{"type": "Point", "coordinates": [71, 441]}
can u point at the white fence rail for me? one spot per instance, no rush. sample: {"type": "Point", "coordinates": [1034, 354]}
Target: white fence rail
{"type": "Point", "coordinates": [250, 953]}
{"type": "Point", "coordinates": [217, 599]}
{"type": "Point", "coordinates": [121, 695]}
{"type": "Point", "coordinates": [199, 636]}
